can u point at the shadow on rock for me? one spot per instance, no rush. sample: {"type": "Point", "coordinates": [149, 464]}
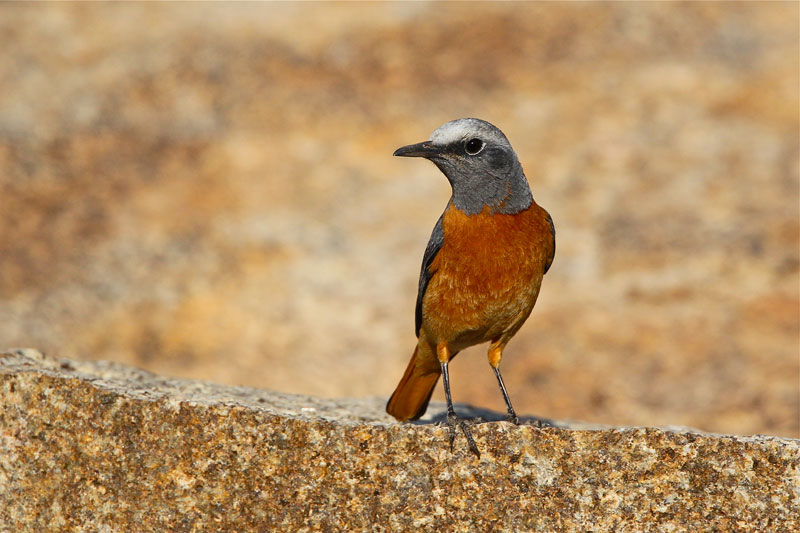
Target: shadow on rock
{"type": "Point", "coordinates": [479, 415]}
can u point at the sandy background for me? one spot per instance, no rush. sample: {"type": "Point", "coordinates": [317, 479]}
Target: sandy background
{"type": "Point", "coordinates": [207, 190]}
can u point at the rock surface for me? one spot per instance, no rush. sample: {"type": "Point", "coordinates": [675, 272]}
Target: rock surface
{"type": "Point", "coordinates": [104, 447]}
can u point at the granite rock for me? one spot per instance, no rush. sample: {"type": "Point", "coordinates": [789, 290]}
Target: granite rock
{"type": "Point", "coordinates": [94, 446]}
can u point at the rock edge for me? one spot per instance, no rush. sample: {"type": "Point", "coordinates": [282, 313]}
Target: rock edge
{"type": "Point", "coordinates": [101, 446]}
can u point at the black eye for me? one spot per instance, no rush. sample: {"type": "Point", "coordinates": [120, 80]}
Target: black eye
{"type": "Point", "coordinates": [474, 146]}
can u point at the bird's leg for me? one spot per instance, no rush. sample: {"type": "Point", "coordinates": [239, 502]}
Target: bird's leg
{"type": "Point", "coordinates": [452, 418]}
{"type": "Point", "coordinates": [495, 355]}
{"type": "Point", "coordinates": [512, 416]}
{"type": "Point", "coordinates": [443, 353]}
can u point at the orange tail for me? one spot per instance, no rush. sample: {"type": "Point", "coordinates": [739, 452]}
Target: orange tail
{"type": "Point", "coordinates": [410, 399]}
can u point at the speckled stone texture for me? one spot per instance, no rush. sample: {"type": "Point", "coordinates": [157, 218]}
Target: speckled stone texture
{"type": "Point", "coordinates": [104, 447]}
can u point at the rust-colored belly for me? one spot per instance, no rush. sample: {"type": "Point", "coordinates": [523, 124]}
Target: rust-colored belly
{"type": "Point", "coordinates": [486, 277]}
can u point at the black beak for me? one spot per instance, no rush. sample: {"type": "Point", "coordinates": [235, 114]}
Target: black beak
{"type": "Point", "coordinates": [424, 149]}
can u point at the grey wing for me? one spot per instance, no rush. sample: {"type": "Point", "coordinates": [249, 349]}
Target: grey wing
{"type": "Point", "coordinates": [434, 245]}
{"type": "Point", "coordinates": [552, 253]}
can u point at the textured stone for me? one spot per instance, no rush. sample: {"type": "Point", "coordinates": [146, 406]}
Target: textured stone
{"type": "Point", "coordinates": [104, 447]}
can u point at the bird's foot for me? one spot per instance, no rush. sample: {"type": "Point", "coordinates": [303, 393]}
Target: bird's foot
{"type": "Point", "coordinates": [539, 423]}
{"type": "Point", "coordinates": [512, 417]}
{"type": "Point", "coordinates": [455, 423]}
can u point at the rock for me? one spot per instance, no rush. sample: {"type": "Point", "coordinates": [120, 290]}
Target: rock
{"type": "Point", "coordinates": [104, 447]}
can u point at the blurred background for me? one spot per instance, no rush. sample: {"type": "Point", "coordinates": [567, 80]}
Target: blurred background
{"type": "Point", "coordinates": [208, 191]}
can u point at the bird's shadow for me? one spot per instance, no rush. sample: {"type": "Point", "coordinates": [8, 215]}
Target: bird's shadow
{"type": "Point", "coordinates": [474, 414]}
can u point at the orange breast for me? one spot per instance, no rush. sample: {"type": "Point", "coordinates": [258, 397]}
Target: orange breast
{"type": "Point", "coordinates": [487, 275]}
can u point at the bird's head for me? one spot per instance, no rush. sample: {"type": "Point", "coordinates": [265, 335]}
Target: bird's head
{"type": "Point", "coordinates": [480, 164]}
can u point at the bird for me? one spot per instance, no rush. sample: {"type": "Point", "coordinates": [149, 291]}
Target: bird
{"type": "Point", "coordinates": [482, 268]}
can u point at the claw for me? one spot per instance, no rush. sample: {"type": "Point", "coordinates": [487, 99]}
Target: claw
{"type": "Point", "coordinates": [472, 446]}
{"type": "Point", "coordinates": [451, 423]}
{"type": "Point", "coordinates": [452, 419]}
{"type": "Point", "coordinates": [455, 423]}
{"type": "Point", "coordinates": [538, 423]}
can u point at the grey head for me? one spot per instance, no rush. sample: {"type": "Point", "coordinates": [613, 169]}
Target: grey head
{"type": "Point", "coordinates": [480, 165]}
